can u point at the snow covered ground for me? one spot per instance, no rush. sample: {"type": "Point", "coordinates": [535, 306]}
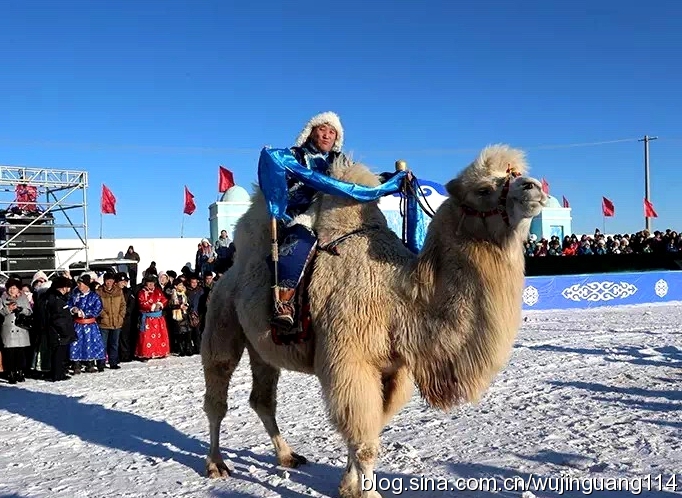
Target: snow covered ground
{"type": "Point", "coordinates": [594, 394]}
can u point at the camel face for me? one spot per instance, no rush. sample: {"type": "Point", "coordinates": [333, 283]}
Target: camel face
{"type": "Point", "coordinates": [525, 200]}
{"type": "Point", "coordinates": [495, 194]}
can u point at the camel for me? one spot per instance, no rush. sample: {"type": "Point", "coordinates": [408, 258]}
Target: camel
{"type": "Point", "coordinates": [384, 319]}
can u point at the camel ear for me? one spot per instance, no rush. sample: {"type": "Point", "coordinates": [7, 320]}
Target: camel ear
{"type": "Point", "coordinates": [454, 188]}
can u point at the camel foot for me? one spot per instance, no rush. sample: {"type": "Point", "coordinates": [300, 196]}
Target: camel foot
{"type": "Point", "coordinates": [354, 492]}
{"type": "Point", "coordinates": [216, 469]}
{"type": "Point", "coordinates": [292, 460]}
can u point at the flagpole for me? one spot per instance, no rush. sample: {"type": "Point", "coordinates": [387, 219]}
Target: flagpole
{"type": "Point", "coordinates": [182, 227]}
{"type": "Point", "coordinates": [100, 212]}
{"type": "Point", "coordinates": [603, 224]}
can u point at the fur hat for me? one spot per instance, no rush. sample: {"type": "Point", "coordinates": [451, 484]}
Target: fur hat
{"type": "Point", "coordinates": [329, 118]}
{"type": "Point", "coordinates": [39, 275]}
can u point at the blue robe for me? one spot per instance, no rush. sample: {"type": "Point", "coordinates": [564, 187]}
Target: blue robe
{"type": "Point", "coordinates": [89, 345]}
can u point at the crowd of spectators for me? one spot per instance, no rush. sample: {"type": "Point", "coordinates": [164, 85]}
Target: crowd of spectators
{"type": "Point", "coordinates": [52, 328]}
{"type": "Point", "coordinates": [642, 242]}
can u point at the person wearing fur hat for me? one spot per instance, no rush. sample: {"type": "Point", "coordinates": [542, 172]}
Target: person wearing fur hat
{"type": "Point", "coordinates": [86, 306]}
{"type": "Point", "coordinates": [153, 340]}
{"type": "Point", "coordinates": [317, 146]}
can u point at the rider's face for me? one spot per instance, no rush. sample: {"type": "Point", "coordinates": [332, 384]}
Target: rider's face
{"type": "Point", "coordinates": [324, 137]}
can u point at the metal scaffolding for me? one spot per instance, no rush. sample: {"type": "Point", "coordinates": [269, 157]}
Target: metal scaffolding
{"type": "Point", "coordinates": [51, 192]}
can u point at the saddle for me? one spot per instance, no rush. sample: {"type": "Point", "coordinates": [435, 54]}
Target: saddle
{"type": "Point", "coordinates": [302, 329]}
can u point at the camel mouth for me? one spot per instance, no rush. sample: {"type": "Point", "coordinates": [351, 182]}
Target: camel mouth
{"type": "Point", "coordinates": [526, 198]}
{"type": "Point", "coordinates": [530, 207]}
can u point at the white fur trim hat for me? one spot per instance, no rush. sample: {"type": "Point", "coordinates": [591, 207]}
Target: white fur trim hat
{"type": "Point", "coordinates": [329, 118]}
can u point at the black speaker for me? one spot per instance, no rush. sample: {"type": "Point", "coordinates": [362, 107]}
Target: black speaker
{"type": "Point", "coordinates": [27, 264]}
{"type": "Point", "coordinates": [32, 247]}
{"type": "Point", "coordinates": [28, 245]}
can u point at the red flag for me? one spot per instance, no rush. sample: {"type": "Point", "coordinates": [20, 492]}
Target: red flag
{"type": "Point", "coordinates": [649, 211]}
{"type": "Point", "coordinates": [189, 202]}
{"type": "Point", "coordinates": [607, 208]}
{"type": "Point", "coordinates": [108, 201]}
{"type": "Point", "coordinates": [225, 179]}
{"type": "Point", "coordinates": [545, 186]}
{"type": "Point", "coordinates": [566, 204]}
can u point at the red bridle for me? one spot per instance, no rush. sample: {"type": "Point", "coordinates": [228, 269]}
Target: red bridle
{"type": "Point", "coordinates": [501, 208]}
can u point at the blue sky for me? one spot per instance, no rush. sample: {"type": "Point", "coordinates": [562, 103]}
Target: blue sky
{"type": "Point", "coordinates": [151, 96]}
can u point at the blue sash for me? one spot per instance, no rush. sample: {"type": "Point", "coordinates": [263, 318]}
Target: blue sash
{"type": "Point", "coordinates": [151, 314]}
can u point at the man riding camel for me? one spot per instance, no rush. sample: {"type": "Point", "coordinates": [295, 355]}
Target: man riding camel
{"type": "Point", "coordinates": [316, 148]}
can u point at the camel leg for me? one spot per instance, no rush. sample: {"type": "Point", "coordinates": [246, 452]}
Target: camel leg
{"type": "Point", "coordinates": [263, 400]}
{"type": "Point", "coordinates": [356, 405]}
{"type": "Point", "coordinates": [217, 374]}
{"type": "Point", "coordinates": [217, 377]}
{"type": "Point", "coordinates": [398, 390]}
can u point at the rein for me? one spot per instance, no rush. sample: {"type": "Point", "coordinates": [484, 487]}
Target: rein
{"type": "Point", "coordinates": [332, 246]}
{"type": "Point", "coordinates": [501, 207]}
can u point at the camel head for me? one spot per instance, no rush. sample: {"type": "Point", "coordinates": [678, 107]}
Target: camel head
{"type": "Point", "coordinates": [495, 195]}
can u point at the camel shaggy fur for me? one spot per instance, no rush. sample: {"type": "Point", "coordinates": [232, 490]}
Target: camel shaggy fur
{"type": "Point", "coordinates": [384, 318]}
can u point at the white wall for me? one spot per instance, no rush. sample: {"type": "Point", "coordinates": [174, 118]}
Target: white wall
{"type": "Point", "coordinates": [174, 253]}
{"type": "Point", "coordinates": [169, 254]}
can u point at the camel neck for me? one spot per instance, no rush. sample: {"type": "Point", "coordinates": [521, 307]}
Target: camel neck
{"type": "Point", "coordinates": [462, 317]}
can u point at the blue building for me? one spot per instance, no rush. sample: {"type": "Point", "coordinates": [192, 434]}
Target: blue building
{"type": "Point", "coordinates": [553, 220]}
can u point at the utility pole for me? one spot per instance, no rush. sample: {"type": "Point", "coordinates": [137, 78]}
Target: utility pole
{"type": "Point", "coordinates": [647, 188]}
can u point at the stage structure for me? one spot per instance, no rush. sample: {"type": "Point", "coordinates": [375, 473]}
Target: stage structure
{"type": "Point", "coordinates": [28, 222]}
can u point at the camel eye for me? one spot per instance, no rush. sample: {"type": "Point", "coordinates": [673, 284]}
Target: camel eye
{"type": "Point", "coordinates": [485, 191]}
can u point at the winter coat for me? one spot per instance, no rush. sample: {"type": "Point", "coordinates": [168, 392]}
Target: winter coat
{"type": "Point", "coordinates": [13, 334]}
{"type": "Point", "coordinates": [194, 297]}
{"type": "Point", "coordinates": [177, 317]}
{"type": "Point", "coordinates": [59, 321]}
{"type": "Point", "coordinates": [113, 307]}
{"type": "Point", "coordinates": [204, 261]}
{"type": "Point", "coordinates": [300, 195]}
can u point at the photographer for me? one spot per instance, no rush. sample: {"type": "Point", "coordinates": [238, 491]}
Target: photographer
{"type": "Point", "coordinates": [16, 311]}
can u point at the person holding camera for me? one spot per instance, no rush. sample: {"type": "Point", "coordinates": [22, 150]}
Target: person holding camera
{"type": "Point", "coordinates": [15, 309]}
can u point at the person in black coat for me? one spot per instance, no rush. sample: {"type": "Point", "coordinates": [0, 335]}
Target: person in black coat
{"type": "Point", "coordinates": [128, 337]}
{"type": "Point", "coordinates": [59, 325]}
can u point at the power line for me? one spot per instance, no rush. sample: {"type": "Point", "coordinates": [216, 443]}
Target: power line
{"type": "Point", "coordinates": [582, 144]}
{"type": "Point", "coordinates": [161, 149]}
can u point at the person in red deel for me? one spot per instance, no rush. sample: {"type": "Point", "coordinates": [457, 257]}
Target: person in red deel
{"type": "Point", "coordinates": [152, 341]}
